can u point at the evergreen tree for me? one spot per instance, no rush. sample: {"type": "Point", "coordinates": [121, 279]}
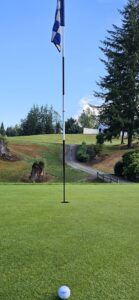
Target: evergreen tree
{"type": "Point", "coordinates": [40, 120]}
{"type": "Point", "coordinates": [14, 130]}
{"type": "Point", "coordinates": [30, 124]}
{"type": "Point", "coordinates": [72, 126]}
{"type": "Point", "coordinates": [120, 86]}
{"type": "Point", "coordinates": [2, 130]}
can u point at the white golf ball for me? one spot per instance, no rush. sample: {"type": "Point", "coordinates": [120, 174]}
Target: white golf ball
{"type": "Point", "coordinates": [64, 292]}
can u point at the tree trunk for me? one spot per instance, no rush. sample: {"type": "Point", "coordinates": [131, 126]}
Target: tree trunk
{"type": "Point", "coordinates": [122, 137]}
{"type": "Point", "coordinates": [130, 139]}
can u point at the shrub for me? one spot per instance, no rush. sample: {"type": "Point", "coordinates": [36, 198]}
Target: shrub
{"type": "Point", "coordinates": [131, 165]}
{"type": "Point", "coordinates": [85, 152]}
{"type": "Point", "coordinates": [82, 154]}
{"type": "Point", "coordinates": [100, 138]}
{"type": "Point", "coordinates": [118, 168]}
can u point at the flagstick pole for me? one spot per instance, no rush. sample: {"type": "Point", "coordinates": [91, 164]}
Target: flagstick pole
{"type": "Point", "coordinates": [63, 116]}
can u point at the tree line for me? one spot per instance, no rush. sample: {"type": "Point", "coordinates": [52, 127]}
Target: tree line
{"type": "Point", "coordinates": [39, 120]}
{"type": "Point", "coordinates": [45, 120]}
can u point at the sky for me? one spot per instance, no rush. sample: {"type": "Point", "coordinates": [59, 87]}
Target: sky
{"type": "Point", "coordinates": [30, 65]}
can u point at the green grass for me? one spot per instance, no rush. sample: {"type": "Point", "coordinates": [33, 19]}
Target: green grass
{"type": "Point", "coordinates": [90, 244]}
{"type": "Point", "coordinates": [57, 138]}
{"type": "Point", "coordinates": [51, 153]}
{"type": "Point", "coordinates": [54, 138]}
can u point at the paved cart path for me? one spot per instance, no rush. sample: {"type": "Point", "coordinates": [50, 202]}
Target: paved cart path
{"type": "Point", "coordinates": [71, 161]}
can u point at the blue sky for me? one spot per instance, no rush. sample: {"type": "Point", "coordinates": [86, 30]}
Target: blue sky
{"type": "Point", "coordinates": [30, 65]}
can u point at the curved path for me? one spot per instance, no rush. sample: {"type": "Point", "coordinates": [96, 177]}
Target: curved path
{"type": "Point", "coordinates": [71, 161]}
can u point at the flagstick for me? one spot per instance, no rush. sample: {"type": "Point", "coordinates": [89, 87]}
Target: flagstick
{"type": "Point", "coordinates": [63, 113]}
{"type": "Point", "coordinates": [63, 116]}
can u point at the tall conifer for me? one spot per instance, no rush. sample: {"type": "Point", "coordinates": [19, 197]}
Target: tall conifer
{"type": "Point", "coordinates": [120, 86]}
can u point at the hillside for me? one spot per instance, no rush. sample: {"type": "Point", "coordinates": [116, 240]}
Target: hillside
{"type": "Point", "coordinates": [48, 148]}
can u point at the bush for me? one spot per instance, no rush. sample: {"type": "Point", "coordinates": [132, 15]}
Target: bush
{"type": "Point", "coordinates": [119, 168]}
{"type": "Point", "coordinates": [100, 138]}
{"type": "Point", "coordinates": [131, 165]}
{"type": "Point", "coordinates": [85, 152]}
{"type": "Point", "coordinates": [82, 154]}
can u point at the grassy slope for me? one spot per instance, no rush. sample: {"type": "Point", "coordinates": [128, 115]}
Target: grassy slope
{"type": "Point", "coordinates": [90, 244]}
{"type": "Point", "coordinates": [50, 152]}
{"type": "Point", "coordinates": [54, 138]}
{"type": "Point", "coordinates": [48, 149]}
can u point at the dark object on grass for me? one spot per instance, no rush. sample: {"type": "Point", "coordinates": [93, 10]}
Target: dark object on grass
{"type": "Point", "coordinates": [37, 172]}
{"type": "Point", "coordinates": [119, 168]}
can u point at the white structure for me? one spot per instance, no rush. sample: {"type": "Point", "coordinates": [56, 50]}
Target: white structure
{"type": "Point", "coordinates": [90, 131]}
{"type": "Point", "coordinates": [100, 128]}
{"type": "Point", "coordinates": [95, 111]}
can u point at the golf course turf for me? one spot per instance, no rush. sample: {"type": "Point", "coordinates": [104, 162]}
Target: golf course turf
{"type": "Point", "coordinates": [90, 244]}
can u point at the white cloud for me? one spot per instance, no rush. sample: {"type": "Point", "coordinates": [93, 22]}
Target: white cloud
{"type": "Point", "coordinates": [83, 104]}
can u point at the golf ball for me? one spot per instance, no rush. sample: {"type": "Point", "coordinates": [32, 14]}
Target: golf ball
{"type": "Point", "coordinates": [64, 292]}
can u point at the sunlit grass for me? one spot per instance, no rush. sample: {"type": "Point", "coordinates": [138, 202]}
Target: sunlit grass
{"type": "Point", "coordinates": [57, 138]}
{"type": "Point", "coordinates": [91, 244]}
{"type": "Point", "coordinates": [49, 149]}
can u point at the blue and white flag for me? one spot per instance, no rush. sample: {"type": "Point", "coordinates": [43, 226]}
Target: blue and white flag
{"type": "Point", "coordinates": [59, 21]}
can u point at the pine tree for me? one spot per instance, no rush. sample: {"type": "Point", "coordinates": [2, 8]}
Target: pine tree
{"type": "Point", "coordinates": [39, 120]}
{"type": "Point", "coordinates": [120, 86]}
{"type": "Point", "coordinates": [2, 130]}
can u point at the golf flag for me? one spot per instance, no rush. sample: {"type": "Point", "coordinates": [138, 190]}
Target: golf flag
{"type": "Point", "coordinates": [59, 21]}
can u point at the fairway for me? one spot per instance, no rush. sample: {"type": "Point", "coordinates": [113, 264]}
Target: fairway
{"type": "Point", "coordinates": [90, 244]}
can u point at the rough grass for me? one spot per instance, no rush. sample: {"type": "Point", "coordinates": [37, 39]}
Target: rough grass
{"type": "Point", "coordinates": [50, 154]}
{"type": "Point", "coordinates": [49, 148]}
{"type": "Point", "coordinates": [90, 244]}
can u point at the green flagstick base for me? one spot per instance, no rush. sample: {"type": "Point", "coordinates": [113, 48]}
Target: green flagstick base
{"type": "Point", "coordinates": [65, 202]}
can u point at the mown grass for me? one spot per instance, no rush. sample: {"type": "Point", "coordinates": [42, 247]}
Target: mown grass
{"type": "Point", "coordinates": [54, 138]}
{"type": "Point", "coordinates": [57, 138]}
{"type": "Point", "coordinates": [91, 244]}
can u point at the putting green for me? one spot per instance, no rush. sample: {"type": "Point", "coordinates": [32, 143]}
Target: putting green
{"type": "Point", "coordinates": [90, 244]}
